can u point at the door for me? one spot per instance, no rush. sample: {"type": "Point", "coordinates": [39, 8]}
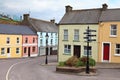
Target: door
{"type": "Point", "coordinates": [106, 51]}
{"type": "Point", "coordinates": [77, 51]}
{"type": "Point", "coordinates": [28, 51]}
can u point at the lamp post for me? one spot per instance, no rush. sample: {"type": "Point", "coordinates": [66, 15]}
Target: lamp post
{"type": "Point", "coordinates": [46, 60]}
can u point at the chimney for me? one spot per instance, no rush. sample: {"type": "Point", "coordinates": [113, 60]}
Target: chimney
{"type": "Point", "coordinates": [52, 20]}
{"type": "Point", "coordinates": [25, 19]}
{"type": "Point", "coordinates": [68, 8]}
{"type": "Point", "coordinates": [104, 7]}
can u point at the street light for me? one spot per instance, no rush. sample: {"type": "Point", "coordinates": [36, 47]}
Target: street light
{"type": "Point", "coordinates": [46, 61]}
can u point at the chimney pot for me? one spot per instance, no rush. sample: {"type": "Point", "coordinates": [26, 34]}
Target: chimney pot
{"type": "Point", "coordinates": [52, 20]}
{"type": "Point", "coordinates": [104, 6]}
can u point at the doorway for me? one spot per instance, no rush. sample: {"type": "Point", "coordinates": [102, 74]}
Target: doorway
{"type": "Point", "coordinates": [77, 50]}
{"type": "Point", "coordinates": [28, 51]}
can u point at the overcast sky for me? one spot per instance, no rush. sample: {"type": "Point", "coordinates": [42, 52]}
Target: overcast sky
{"type": "Point", "coordinates": [49, 9]}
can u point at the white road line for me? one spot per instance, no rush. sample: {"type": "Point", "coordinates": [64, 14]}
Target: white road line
{"type": "Point", "coordinates": [7, 75]}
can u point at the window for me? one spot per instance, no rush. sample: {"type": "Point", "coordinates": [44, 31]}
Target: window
{"type": "Point", "coordinates": [25, 50]}
{"type": "Point", "coordinates": [8, 40]}
{"type": "Point", "coordinates": [8, 50]}
{"type": "Point", "coordinates": [76, 35]}
{"type": "Point", "coordinates": [113, 30]}
{"type": "Point", "coordinates": [65, 34]}
{"type": "Point", "coordinates": [41, 34]}
{"type": "Point", "coordinates": [33, 40]}
{"type": "Point", "coordinates": [26, 40]}
{"type": "Point", "coordinates": [85, 50]}
{"type": "Point", "coordinates": [51, 35]}
{"type": "Point", "coordinates": [2, 51]}
{"type": "Point", "coordinates": [41, 41]}
{"type": "Point", "coordinates": [33, 49]}
{"type": "Point", "coordinates": [51, 41]}
{"type": "Point", "coordinates": [18, 40]}
{"type": "Point", "coordinates": [56, 35]}
{"type": "Point", "coordinates": [117, 50]}
{"type": "Point", "coordinates": [17, 50]}
{"type": "Point", "coordinates": [67, 48]}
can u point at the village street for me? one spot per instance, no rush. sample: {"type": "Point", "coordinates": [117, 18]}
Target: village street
{"type": "Point", "coordinates": [34, 69]}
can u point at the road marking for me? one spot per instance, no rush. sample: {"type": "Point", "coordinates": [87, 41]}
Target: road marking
{"type": "Point", "coordinates": [7, 75]}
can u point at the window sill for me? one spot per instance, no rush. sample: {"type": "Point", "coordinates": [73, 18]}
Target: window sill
{"type": "Point", "coordinates": [66, 53]}
{"type": "Point", "coordinates": [76, 41]}
{"type": "Point", "coordinates": [113, 36]}
{"type": "Point", "coordinates": [64, 40]}
{"type": "Point", "coordinates": [116, 54]}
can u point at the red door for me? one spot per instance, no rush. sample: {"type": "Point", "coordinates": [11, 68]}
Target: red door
{"type": "Point", "coordinates": [106, 51]}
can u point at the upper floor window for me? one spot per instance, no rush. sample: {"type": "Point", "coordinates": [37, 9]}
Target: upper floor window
{"type": "Point", "coordinates": [85, 50]}
{"type": "Point", "coordinates": [76, 35]}
{"type": "Point", "coordinates": [41, 35]}
{"type": "Point", "coordinates": [65, 34]}
{"type": "Point", "coordinates": [113, 30]}
{"type": "Point", "coordinates": [51, 41]}
{"type": "Point", "coordinates": [26, 40]}
{"type": "Point", "coordinates": [117, 49]}
{"type": "Point", "coordinates": [18, 40]}
{"type": "Point", "coordinates": [8, 40]}
{"type": "Point", "coordinates": [33, 40]}
{"type": "Point", "coordinates": [2, 51]}
{"type": "Point", "coordinates": [51, 35]}
{"type": "Point", "coordinates": [41, 41]}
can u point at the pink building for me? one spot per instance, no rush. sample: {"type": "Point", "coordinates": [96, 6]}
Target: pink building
{"type": "Point", "coordinates": [30, 45]}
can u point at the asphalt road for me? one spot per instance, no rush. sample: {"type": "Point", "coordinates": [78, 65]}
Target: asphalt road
{"type": "Point", "coordinates": [34, 69]}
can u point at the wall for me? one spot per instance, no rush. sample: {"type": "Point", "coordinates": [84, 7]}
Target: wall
{"type": "Point", "coordinates": [71, 28]}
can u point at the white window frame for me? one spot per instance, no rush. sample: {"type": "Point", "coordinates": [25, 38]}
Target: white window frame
{"type": "Point", "coordinates": [17, 50]}
{"type": "Point", "coordinates": [76, 35]}
{"type": "Point", "coordinates": [113, 30]}
{"type": "Point", "coordinates": [8, 40]}
{"type": "Point", "coordinates": [2, 51]}
{"type": "Point", "coordinates": [67, 49]}
{"type": "Point", "coordinates": [65, 34]}
{"type": "Point", "coordinates": [117, 49]}
{"type": "Point", "coordinates": [85, 50]}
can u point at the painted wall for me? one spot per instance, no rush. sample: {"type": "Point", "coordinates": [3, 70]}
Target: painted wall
{"type": "Point", "coordinates": [12, 45]}
{"type": "Point", "coordinates": [104, 37]}
{"type": "Point", "coordinates": [30, 45]}
{"type": "Point", "coordinates": [71, 28]}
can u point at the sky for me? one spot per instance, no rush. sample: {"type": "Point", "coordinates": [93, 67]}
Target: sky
{"type": "Point", "coordinates": [50, 9]}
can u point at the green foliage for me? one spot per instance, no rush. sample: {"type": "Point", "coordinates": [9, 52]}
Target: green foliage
{"type": "Point", "coordinates": [92, 62]}
{"type": "Point", "coordinates": [79, 63]}
{"type": "Point", "coordinates": [72, 61]}
{"type": "Point", "coordinates": [61, 63]}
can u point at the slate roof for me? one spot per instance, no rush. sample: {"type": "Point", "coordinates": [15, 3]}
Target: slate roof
{"type": "Point", "coordinates": [110, 15]}
{"type": "Point", "coordinates": [43, 26]}
{"type": "Point", "coordinates": [15, 29]}
{"type": "Point", "coordinates": [81, 16]}
{"type": "Point", "coordinates": [90, 16]}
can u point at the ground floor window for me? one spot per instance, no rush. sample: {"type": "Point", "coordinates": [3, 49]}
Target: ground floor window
{"type": "Point", "coordinates": [25, 49]}
{"type": "Point", "coordinates": [85, 50]}
{"type": "Point", "coordinates": [67, 49]}
{"type": "Point", "coordinates": [17, 50]}
{"type": "Point", "coordinates": [117, 49]}
{"type": "Point", "coordinates": [33, 49]}
{"type": "Point", "coordinates": [2, 51]}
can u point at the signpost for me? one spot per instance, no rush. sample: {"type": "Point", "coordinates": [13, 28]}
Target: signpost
{"type": "Point", "coordinates": [88, 40]}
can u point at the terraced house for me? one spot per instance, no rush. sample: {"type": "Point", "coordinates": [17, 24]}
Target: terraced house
{"type": "Point", "coordinates": [105, 21]}
{"type": "Point", "coordinates": [11, 41]}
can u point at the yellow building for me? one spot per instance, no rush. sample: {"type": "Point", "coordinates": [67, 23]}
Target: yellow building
{"type": "Point", "coordinates": [71, 33]}
{"type": "Point", "coordinates": [10, 46]}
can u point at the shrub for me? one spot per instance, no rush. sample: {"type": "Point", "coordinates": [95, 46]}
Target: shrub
{"type": "Point", "coordinates": [72, 61]}
{"type": "Point", "coordinates": [61, 64]}
{"type": "Point", "coordinates": [91, 61]}
{"type": "Point", "coordinates": [79, 63]}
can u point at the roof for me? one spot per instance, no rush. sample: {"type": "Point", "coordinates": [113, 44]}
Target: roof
{"type": "Point", "coordinates": [110, 15]}
{"type": "Point", "coordinates": [81, 16]}
{"type": "Point", "coordinates": [15, 29]}
{"type": "Point", "coordinates": [43, 26]}
{"type": "Point", "coordinates": [90, 16]}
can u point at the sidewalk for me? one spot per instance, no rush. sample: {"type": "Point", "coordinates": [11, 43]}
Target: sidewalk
{"type": "Point", "coordinates": [108, 65]}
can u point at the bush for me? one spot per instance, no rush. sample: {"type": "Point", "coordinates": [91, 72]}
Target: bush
{"type": "Point", "coordinates": [91, 61]}
{"type": "Point", "coordinates": [72, 61]}
{"type": "Point", "coordinates": [61, 64]}
{"type": "Point", "coordinates": [79, 63]}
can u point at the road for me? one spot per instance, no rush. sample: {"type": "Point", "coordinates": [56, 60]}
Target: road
{"type": "Point", "coordinates": [34, 69]}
